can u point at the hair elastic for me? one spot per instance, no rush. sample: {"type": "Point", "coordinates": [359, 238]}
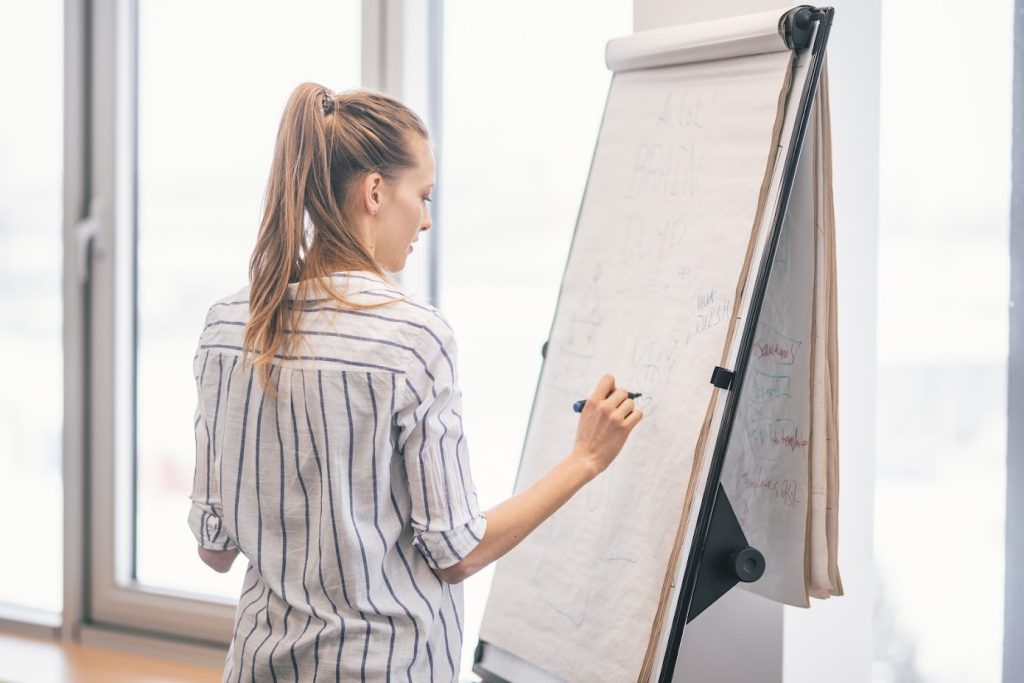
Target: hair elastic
{"type": "Point", "coordinates": [327, 102]}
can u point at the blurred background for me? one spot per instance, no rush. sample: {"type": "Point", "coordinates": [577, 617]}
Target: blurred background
{"type": "Point", "coordinates": [177, 131]}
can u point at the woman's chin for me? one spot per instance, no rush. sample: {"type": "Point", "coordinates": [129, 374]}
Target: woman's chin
{"type": "Point", "coordinates": [396, 266]}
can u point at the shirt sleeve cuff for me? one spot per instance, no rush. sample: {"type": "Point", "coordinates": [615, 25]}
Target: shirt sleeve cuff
{"type": "Point", "coordinates": [208, 527]}
{"type": "Point", "coordinates": [442, 549]}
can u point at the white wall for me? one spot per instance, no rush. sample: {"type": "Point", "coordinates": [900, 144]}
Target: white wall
{"type": "Point", "coordinates": [833, 640]}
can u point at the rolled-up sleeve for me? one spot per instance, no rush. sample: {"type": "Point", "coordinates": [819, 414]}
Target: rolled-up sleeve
{"type": "Point", "coordinates": [205, 517]}
{"type": "Point", "coordinates": [446, 518]}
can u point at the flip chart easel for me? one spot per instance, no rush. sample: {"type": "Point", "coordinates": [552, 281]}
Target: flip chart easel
{"type": "Point", "coordinates": [719, 555]}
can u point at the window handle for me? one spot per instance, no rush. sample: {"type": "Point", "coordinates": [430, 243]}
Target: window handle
{"type": "Point", "coordinates": [86, 232]}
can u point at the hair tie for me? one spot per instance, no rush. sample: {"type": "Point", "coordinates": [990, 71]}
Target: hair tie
{"type": "Point", "coordinates": [327, 102]}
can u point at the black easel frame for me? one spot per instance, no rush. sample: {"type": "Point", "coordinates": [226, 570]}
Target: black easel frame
{"type": "Point", "coordinates": [709, 573]}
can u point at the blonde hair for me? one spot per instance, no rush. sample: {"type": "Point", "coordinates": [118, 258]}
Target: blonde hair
{"type": "Point", "coordinates": [326, 141]}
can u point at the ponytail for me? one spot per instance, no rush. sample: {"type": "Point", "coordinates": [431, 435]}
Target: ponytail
{"type": "Point", "coordinates": [325, 142]}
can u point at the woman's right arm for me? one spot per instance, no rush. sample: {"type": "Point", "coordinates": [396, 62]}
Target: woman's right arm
{"type": "Point", "coordinates": [606, 421]}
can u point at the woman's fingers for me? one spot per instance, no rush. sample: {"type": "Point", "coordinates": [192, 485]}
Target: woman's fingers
{"type": "Point", "coordinates": [616, 398]}
{"type": "Point", "coordinates": [604, 387]}
{"type": "Point", "coordinates": [606, 422]}
{"type": "Point", "coordinates": [624, 408]}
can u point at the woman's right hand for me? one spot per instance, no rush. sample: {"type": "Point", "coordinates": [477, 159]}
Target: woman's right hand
{"type": "Point", "coordinates": [608, 417]}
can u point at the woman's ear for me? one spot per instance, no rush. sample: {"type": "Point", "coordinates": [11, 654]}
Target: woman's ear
{"type": "Point", "coordinates": [372, 194]}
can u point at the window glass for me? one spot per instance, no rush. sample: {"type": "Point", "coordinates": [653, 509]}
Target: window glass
{"type": "Point", "coordinates": [942, 343]}
{"type": "Point", "coordinates": [31, 310]}
{"type": "Point", "coordinates": [213, 80]}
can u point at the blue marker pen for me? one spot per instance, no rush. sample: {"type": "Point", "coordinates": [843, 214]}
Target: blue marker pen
{"type": "Point", "coordinates": [578, 405]}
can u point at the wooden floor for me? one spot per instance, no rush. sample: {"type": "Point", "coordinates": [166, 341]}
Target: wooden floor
{"type": "Point", "coordinates": [31, 660]}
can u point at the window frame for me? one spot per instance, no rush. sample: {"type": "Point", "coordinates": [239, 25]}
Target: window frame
{"type": "Point", "coordinates": [89, 151]}
{"type": "Point", "coordinates": [103, 604]}
{"type": "Point", "coordinates": [1013, 596]}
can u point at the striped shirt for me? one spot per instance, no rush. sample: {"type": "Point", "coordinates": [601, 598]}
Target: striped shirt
{"type": "Point", "coordinates": [345, 492]}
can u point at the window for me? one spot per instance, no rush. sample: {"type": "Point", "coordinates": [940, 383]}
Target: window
{"type": "Point", "coordinates": [520, 125]}
{"type": "Point", "coordinates": [31, 168]}
{"type": "Point", "coordinates": [942, 349]}
{"type": "Point", "coordinates": [190, 96]}
{"type": "Point", "coordinates": [207, 121]}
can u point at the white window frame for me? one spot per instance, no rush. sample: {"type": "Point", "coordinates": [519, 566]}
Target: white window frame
{"type": "Point", "coordinates": [103, 604]}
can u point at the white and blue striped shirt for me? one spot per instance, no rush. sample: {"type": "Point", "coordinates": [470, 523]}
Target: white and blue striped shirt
{"type": "Point", "coordinates": [345, 492]}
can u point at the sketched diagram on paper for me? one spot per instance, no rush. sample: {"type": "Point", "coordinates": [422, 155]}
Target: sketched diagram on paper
{"type": "Point", "coordinates": [570, 369]}
{"type": "Point", "coordinates": [770, 432]}
{"type": "Point", "coordinates": [567, 583]}
{"type": "Point", "coordinates": [571, 374]}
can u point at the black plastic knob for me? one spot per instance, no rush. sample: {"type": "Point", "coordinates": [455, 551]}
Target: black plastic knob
{"type": "Point", "coordinates": [748, 564]}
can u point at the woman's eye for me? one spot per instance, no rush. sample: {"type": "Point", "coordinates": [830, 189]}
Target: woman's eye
{"type": "Point", "coordinates": [427, 199]}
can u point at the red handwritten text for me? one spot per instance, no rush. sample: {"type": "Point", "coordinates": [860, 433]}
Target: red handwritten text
{"type": "Point", "coordinates": [782, 489]}
{"type": "Point", "coordinates": [792, 440]}
{"type": "Point", "coordinates": [773, 350]}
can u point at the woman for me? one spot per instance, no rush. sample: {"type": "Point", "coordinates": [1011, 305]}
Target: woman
{"type": "Point", "coordinates": [330, 449]}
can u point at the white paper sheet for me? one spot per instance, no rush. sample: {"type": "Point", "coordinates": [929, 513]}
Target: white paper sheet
{"type": "Point", "coordinates": [647, 296]}
{"type": "Point", "coordinates": [765, 473]}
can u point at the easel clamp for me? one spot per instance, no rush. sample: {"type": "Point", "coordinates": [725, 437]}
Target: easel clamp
{"type": "Point", "coordinates": [722, 378]}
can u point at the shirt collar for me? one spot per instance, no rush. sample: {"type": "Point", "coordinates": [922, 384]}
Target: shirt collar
{"type": "Point", "coordinates": [350, 282]}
